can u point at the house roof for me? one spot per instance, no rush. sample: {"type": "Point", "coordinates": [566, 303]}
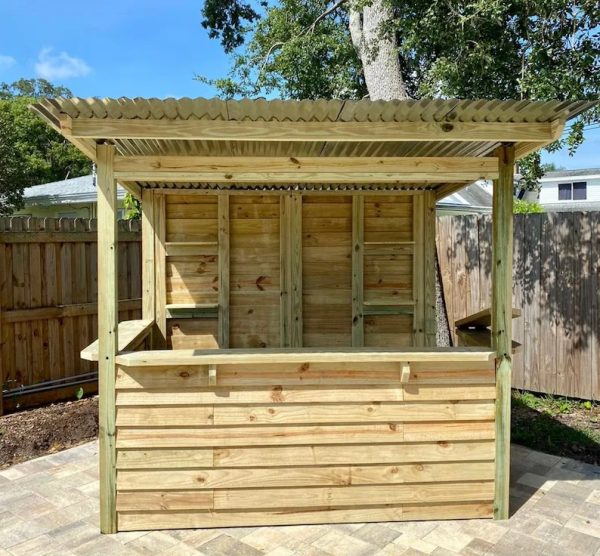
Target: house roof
{"type": "Point", "coordinates": [474, 197]}
{"type": "Point", "coordinates": [292, 132]}
{"type": "Point", "coordinates": [73, 190]}
{"type": "Point", "coordinates": [549, 176]}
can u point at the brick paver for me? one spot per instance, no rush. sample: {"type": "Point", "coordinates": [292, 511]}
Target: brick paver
{"type": "Point", "coordinates": [49, 506]}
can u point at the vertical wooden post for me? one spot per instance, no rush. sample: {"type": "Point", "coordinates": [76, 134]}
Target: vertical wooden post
{"type": "Point", "coordinates": [358, 250]}
{"type": "Point", "coordinates": [295, 266]}
{"type": "Point", "coordinates": [107, 332]}
{"type": "Point", "coordinates": [429, 270]}
{"type": "Point", "coordinates": [148, 282]}
{"type": "Point", "coordinates": [284, 272]}
{"type": "Point", "coordinates": [160, 271]}
{"type": "Point", "coordinates": [418, 270]}
{"type": "Point", "coordinates": [502, 253]}
{"type": "Point", "coordinates": [223, 269]}
{"type": "Point", "coordinates": [290, 249]}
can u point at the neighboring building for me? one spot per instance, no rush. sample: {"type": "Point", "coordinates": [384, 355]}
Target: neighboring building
{"type": "Point", "coordinates": [474, 199]}
{"type": "Point", "coordinates": [75, 197]}
{"type": "Point", "coordinates": [571, 190]}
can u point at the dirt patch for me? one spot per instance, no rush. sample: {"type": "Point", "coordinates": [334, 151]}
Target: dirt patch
{"type": "Point", "coordinates": [33, 433]}
{"type": "Point", "coordinates": [560, 426]}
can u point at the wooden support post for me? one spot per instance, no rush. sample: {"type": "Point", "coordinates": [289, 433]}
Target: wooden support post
{"type": "Point", "coordinates": [223, 269]}
{"type": "Point", "coordinates": [160, 271]}
{"type": "Point", "coordinates": [429, 270]}
{"type": "Point", "coordinates": [295, 266]}
{"type": "Point", "coordinates": [107, 332]}
{"type": "Point", "coordinates": [291, 270]}
{"type": "Point", "coordinates": [502, 253]}
{"type": "Point", "coordinates": [148, 279]}
{"type": "Point", "coordinates": [419, 270]}
{"type": "Point", "coordinates": [358, 249]}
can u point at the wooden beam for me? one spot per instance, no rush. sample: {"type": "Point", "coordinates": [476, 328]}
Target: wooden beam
{"type": "Point", "coordinates": [419, 270]}
{"type": "Point", "coordinates": [284, 271]}
{"type": "Point", "coordinates": [148, 258]}
{"type": "Point", "coordinates": [290, 248]}
{"type": "Point", "coordinates": [296, 322]}
{"type": "Point", "coordinates": [502, 252]}
{"type": "Point", "coordinates": [223, 270]}
{"type": "Point", "coordinates": [304, 169]}
{"type": "Point", "coordinates": [429, 269]}
{"type": "Point", "coordinates": [108, 317]}
{"type": "Point", "coordinates": [525, 148]}
{"type": "Point", "coordinates": [132, 188]}
{"type": "Point", "coordinates": [358, 226]}
{"type": "Point", "coordinates": [160, 271]}
{"type": "Point", "coordinates": [219, 130]}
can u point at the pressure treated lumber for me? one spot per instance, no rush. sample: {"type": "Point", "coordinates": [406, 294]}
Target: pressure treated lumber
{"type": "Point", "coordinates": [148, 258]}
{"type": "Point", "coordinates": [482, 319]}
{"type": "Point", "coordinates": [502, 253]}
{"type": "Point", "coordinates": [130, 334]}
{"type": "Point", "coordinates": [358, 232]}
{"type": "Point", "coordinates": [107, 332]}
{"type": "Point", "coordinates": [304, 169]}
{"type": "Point", "coordinates": [223, 270]}
{"type": "Point", "coordinates": [274, 355]}
{"type": "Point", "coordinates": [305, 131]}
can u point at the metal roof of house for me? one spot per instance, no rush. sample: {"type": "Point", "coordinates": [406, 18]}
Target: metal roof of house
{"type": "Point", "coordinates": [571, 173]}
{"type": "Point", "coordinates": [73, 190]}
{"type": "Point", "coordinates": [473, 197]}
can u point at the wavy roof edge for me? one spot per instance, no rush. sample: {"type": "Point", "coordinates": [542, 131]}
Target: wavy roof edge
{"type": "Point", "coordinates": [427, 110]}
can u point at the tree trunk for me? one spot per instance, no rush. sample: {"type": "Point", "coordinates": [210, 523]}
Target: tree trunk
{"type": "Point", "coordinates": [377, 51]}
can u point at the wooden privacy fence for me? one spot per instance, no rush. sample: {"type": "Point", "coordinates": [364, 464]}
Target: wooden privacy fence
{"type": "Point", "coordinates": [48, 303]}
{"type": "Point", "coordinates": [556, 285]}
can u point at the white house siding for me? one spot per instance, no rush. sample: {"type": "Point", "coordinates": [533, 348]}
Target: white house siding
{"type": "Point", "coordinates": [549, 190]}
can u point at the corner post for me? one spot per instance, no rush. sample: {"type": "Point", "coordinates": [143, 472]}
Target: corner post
{"type": "Point", "coordinates": [502, 256]}
{"type": "Point", "coordinates": [108, 318]}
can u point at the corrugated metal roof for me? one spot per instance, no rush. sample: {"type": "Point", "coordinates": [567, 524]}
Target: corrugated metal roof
{"type": "Point", "coordinates": [259, 110]}
{"type": "Point", "coordinates": [426, 110]}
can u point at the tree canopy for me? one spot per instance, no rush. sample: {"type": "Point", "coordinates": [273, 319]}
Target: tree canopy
{"type": "Point", "coordinates": [505, 49]}
{"type": "Point", "coordinates": [30, 151]}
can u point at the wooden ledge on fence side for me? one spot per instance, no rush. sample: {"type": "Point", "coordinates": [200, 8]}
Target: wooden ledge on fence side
{"type": "Point", "coordinates": [482, 319]}
{"type": "Point", "coordinates": [298, 355]}
{"type": "Point", "coordinates": [131, 334]}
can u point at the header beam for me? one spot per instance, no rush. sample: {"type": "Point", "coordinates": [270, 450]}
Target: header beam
{"type": "Point", "coordinates": [219, 130]}
{"type": "Point", "coordinates": [304, 169]}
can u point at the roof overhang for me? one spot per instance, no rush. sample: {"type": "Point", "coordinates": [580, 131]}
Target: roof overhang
{"type": "Point", "coordinates": [248, 144]}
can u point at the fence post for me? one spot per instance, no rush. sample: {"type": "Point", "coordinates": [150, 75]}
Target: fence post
{"type": "Point", "coordinates": [502, 253]}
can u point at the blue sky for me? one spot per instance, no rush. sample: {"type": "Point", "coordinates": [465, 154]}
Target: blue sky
{"type": "Point", "coordinates": [149, 48]}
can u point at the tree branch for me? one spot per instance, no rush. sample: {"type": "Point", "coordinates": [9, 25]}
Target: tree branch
{"type": "Point", "coordinates": [305, 31]}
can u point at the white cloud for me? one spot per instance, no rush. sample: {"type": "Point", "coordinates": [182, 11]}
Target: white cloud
{"type": "Point", "coordinates": [6, 62]}
{"type": "Point", "coordinates": [60, 65]}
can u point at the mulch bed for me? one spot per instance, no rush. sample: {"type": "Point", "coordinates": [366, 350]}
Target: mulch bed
{"type": "Point", "coordinates": [33, 433]}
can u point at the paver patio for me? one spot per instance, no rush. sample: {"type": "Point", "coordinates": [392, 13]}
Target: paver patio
{"type": "Point", "coordinates": [50, 506]}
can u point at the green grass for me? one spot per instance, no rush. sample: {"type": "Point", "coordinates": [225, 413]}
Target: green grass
{"type": "Point", "coordinates": [557, 425]}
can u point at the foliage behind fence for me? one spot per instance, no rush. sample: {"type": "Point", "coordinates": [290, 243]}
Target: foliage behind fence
{"type": "Point", "coordinates": [48, 300]}
{"type": "Point", "coordinates": [556, 285]}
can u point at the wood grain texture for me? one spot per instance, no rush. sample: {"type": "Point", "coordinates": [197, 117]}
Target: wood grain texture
{"type": "Point", "coordinates": [107, 333]}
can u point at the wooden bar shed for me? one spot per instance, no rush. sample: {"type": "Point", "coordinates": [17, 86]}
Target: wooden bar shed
{"type": "Point", "coordinates": [286, 369]}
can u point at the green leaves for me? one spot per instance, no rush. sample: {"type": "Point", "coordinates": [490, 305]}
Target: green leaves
{"type": "Point", "coordinates": [30, 151]}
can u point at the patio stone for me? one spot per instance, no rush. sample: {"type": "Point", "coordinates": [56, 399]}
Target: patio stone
{"type": "Point", "coordinates": [49, 506]}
